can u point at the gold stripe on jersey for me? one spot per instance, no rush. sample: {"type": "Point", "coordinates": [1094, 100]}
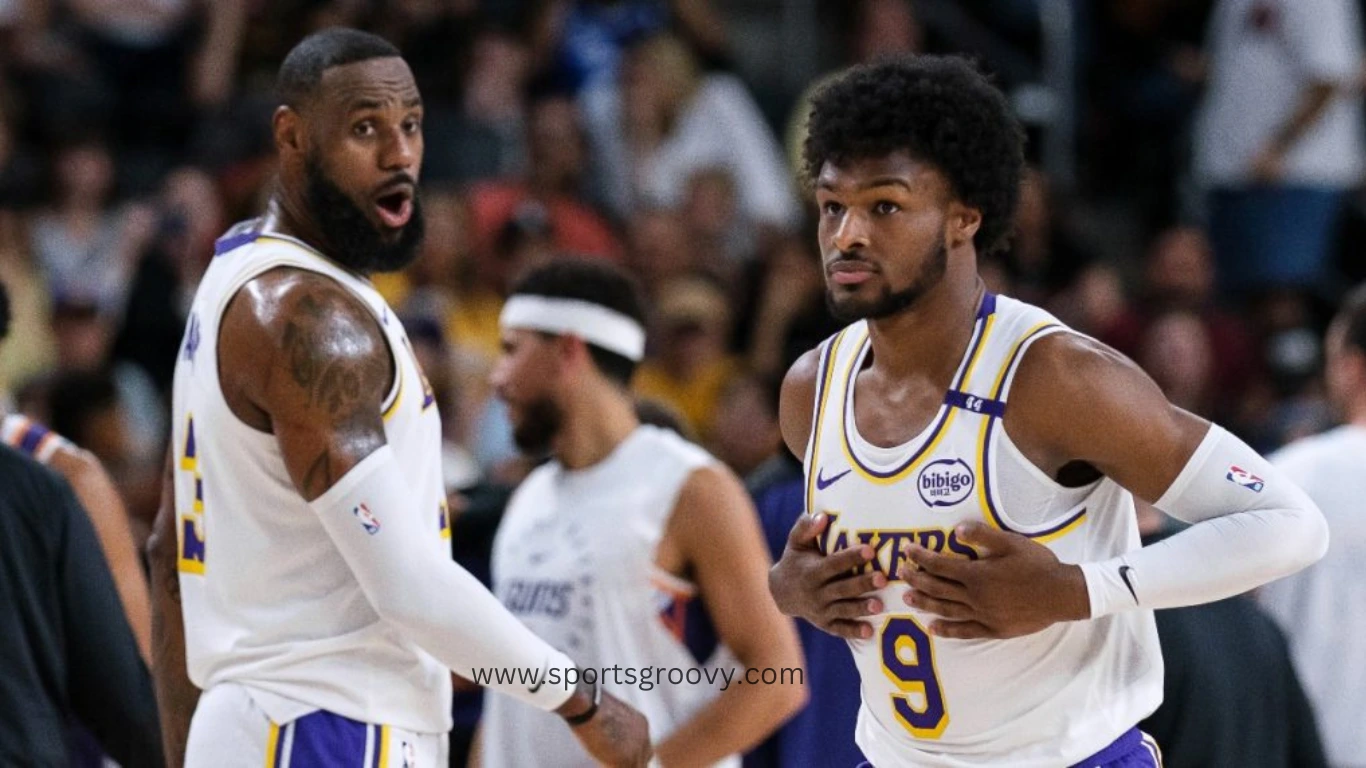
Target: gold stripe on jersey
{"type": "Point", "coordinates": [822, 397]}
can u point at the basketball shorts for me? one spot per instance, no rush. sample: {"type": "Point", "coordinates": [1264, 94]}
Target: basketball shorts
{"type": "Point", "coordinates": [1135, 749]}
{"type": "Point", "coordinates": [229, 730]}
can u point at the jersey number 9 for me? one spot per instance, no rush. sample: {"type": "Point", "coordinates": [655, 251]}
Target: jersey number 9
{"type": "Point", "coordinates": [908, 661]}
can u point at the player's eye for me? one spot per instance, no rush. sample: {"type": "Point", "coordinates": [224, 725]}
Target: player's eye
{"type": "Point", "coordinates": [363, 128]}
{"type": "Point", "coordinates": [412, 125]}
{"type": "Point", "coordinates": [832, 208]}
{"type": "Point", "coordinates": [886, 208]}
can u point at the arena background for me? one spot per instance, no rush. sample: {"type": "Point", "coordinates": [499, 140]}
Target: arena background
{"type": "Point", "coordinates": [663, 135]}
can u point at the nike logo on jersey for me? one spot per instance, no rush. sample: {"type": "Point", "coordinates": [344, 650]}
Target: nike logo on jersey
{"type": "Point", "coordinates": [823, 483]}
{"type": "Point", "coordinates": [1124, 574]}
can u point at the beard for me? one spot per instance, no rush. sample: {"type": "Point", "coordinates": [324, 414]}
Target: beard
{"type": "Point", "coordinates": [540, 424]}
{"type": "Point", "coordinates": [889, 302]}
{"type": "Point", "coordinates": [353, 240]}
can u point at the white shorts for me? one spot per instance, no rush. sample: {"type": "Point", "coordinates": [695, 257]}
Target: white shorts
{"type": "Point", "coordinates": [230, 731]}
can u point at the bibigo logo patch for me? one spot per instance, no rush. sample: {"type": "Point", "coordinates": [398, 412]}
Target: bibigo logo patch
{"type": "Point", "coordinates": [945, 482]}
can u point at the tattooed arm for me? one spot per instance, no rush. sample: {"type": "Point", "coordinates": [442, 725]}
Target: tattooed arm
{"type": "Point", "coordinates": [176, 695]}
{"type": "Point", "coordinates": [302, 358]}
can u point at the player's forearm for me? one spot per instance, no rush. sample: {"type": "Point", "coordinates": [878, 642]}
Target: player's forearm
{"type": "Point", "coordinates": [432, 600]}
{"type": "Point", "coordinates": [1250, 525]}
{"type": "Point", "coordinates": [176, 695]}
{"type": "Point", "coordinates": [743, 716]}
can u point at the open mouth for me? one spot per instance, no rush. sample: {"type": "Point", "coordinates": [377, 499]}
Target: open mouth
{"type": "Point", "coordinates": [395, 208]}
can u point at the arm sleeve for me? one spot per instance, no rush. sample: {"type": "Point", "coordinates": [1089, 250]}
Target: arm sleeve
{"type": "Point", "coordinates": [407, 575]}
{"type": "Point", "coordinates": [111, 688]}
{"type": "Point", "coordinates": [1249, 525]}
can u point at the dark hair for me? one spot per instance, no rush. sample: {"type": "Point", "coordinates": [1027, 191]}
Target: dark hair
{"type": "Point", "coordinates": [1352, 315]}
{"type": "Point", "coordinates": [305, 64]}
{"type": "Point", "coordinates": [942, 111]}
{"type": "Point", "coordinates": [597, 283]}
{"type": "Point", "coordinates": [4, 311]}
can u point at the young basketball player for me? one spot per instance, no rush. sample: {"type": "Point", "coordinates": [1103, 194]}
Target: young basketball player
{"type": "Point", "coordinates": [976, 461]}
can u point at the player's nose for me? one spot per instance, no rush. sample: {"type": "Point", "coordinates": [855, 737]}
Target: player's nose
{"type": "Point", "coordinates": [400, 153]}
{"type": "Point", "coordinates": [852, 232]}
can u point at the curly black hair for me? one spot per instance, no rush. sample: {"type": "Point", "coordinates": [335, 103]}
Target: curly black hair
{"type": "Point", "coordinates": [941, 110]}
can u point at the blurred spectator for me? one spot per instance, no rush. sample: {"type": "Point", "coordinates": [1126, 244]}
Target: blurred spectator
{"type": "Point", "coordinates": [690, 365]}
{"type": "Point", "coordinates": [1177, 352]}
{"type": "Point", "coordinates": [85, 334]}
{"type": "Point", "coordinates": [189, 217]}
{"type": "Point", "coordinates": [583, 42]}
{"type": "Point", "coordinates": [659, 249]}
{"type": "Point", "coordinates": [1230, 693]}
{"type": "Point", "coordinates": [1279, 138]}
{"type": "Point", "coordinates": [1042, 257]}
{"type": "Point", "coordinates": [1323, 608]}
{"type": "Point", "coordinates": [745, 434]}
{"type": "Point", "coordinates": [880, 28]}
{"type": "Point", "coordinates": [678, 120]}
{"type": "Point", "coordinates": [1178, 276]}
{"type": "Point", "coordinates": [784, 311]}
{"type": "Point", "coordinates": [32, 347]}
{"type": "Point", "coordinates": [711, 211]}
{"type": "Point", "coordinates": [83, 245]}
{"type": "Point", "coordinates": [558, 181]}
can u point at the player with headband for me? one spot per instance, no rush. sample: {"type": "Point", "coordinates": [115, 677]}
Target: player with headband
{"type": "Point", "coordinates": [630, 549]}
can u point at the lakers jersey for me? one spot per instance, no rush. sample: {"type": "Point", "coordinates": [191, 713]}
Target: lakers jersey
{"type": "Point", "coordinates": [269, 603]}
{"type": "Point", "coordinates": [1046, 699]}
{"type": "Point", "coordinates": [574, 559]}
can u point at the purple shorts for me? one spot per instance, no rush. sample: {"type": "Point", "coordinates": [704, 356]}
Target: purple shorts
{"type": "Point", "coordinates": [1135, 749]}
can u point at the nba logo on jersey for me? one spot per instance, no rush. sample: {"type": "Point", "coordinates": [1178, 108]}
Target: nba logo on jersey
{"type": "Point", "coordinates": [945, 482]}
{"type": "Point", "coordinates": [367, 518]}
{"type": "Point", "coordinates": [1245, 478]}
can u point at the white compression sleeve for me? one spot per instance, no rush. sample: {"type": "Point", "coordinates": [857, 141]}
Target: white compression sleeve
{"type": "Point", "coordinates": [388, 544]}
{"type": "Point", "coordinates": [1250, 525]}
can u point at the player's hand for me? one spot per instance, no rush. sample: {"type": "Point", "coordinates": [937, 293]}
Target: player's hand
{"type": "Point", "coordinates": [825, 590]}
{"type": "Point", "coordinates": [617, 735]}
{"type": "Point", "coordinates": [1017, 586]}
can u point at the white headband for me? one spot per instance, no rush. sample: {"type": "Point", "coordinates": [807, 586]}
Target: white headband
{"type": "Point", "coordinates": [593, 323]}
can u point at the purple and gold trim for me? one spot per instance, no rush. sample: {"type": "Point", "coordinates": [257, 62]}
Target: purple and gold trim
{"type": "Point", "coordinates": [822, 394]}
{"type": "Point", "coordinates": [986, 317]}
{"type": "Point", "coordinates": [985, 497]}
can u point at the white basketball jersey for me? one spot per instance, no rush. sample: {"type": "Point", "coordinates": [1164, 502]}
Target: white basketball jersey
{"type": "Point", "coordinates": [269, 603]}
{"type": "Point", "coordinates": [1047, 699]}
{"type": "Point", "coordinates": [574, 559]}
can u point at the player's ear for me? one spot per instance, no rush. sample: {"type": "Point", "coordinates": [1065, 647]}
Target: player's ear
{"type": "Point", "coordinates": [962, 224]}
{"type": "Point", "coordinates": [287, 126]}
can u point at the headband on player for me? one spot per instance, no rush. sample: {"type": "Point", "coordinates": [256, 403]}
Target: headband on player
{"type": "Point", "coordinates": [593, 323]}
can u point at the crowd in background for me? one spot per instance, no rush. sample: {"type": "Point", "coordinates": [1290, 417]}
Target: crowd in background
{"type": "Point", "coordinates": [636, 131]}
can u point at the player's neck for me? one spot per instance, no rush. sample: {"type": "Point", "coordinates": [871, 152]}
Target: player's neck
{"type": "Point", "coordinates": [594, 426]}
{"type": "Point", "coordinates": [931, 336]}
{"type": "Point", "coordinates": [1356, 415]}
{"type": "Point", "coordinates": [287, 214]}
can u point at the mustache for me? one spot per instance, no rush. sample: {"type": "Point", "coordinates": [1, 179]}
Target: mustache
{"type": "Point", "coordinates": [400, 179]}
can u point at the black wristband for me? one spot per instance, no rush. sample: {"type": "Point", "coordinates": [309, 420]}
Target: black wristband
{"type": "Point", "coordinates": [584, 717]}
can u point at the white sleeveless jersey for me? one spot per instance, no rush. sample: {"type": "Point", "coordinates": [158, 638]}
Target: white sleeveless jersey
{"type": "Point", "coordinates": [574, 558]}
{"type": "Point", "coordinates": [269, 603]}
{"type": "Point", "coordinates": [1048, 699]}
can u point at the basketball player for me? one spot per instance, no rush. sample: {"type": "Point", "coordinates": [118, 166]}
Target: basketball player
{"type": "Point", "coordinates": [629, 544]}
{"type": "Point", "coordinates": [322, 611]}
{"type": "Point", "coordinates": [971, 461]}
{"type": "Point", "coordinates": [1322, 609]}
{"type": "Point", "coordinates": [98, 497]}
